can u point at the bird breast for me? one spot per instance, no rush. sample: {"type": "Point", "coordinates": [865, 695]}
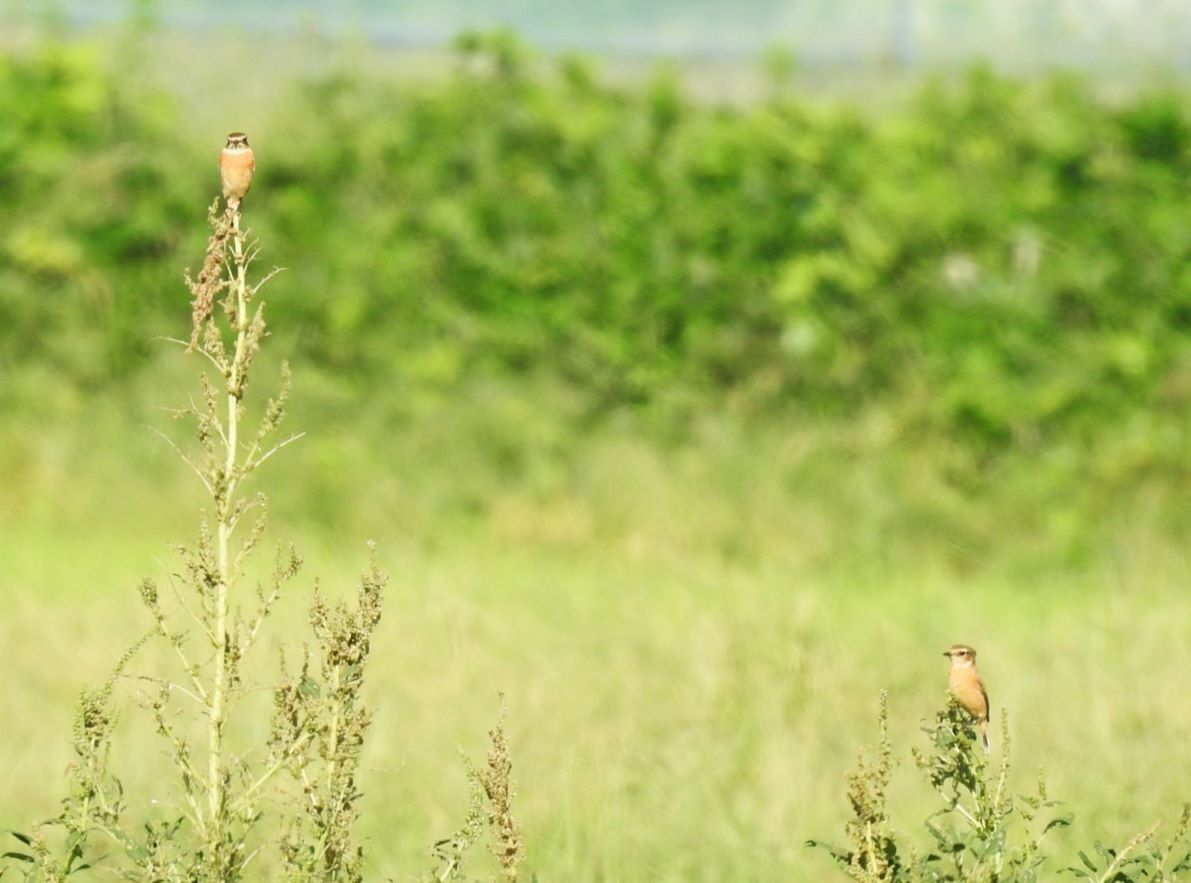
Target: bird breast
{"type": "Point", "coordinates": [235, 168]}
{"type": "Point", "coordinates": [969, 690]}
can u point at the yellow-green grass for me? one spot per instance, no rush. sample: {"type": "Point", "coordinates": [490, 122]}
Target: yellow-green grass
{"type": "Point", "coordinates": [673, 717]}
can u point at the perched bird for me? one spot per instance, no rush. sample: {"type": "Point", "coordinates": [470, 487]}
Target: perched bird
{"type": "Point", "coordinates": [236, 164]}
{"type": "Point", "coordinates": [964, 681]}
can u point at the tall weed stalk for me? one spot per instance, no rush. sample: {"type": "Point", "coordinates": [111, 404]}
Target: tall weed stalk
{"type": "Point", "coordinates": [284, 809]}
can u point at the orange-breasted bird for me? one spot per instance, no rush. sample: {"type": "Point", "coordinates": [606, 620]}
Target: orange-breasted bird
{"type": "Point", "coordinates": [236, 164]}
{"type": "Point", "coordinates": [964, 681]}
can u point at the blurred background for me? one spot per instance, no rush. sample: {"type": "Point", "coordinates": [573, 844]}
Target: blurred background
{"type": "Point", "coordinates": [701, 369]}
{"type": "Point", "coordinates": [1027, 34]}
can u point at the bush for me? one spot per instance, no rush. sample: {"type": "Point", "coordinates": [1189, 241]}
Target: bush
{"type": "Point", "coordinates": [993, 273]}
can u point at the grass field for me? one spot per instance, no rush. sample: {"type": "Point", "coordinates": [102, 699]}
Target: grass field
{"type": "Point", "coordinates": [679, 708]}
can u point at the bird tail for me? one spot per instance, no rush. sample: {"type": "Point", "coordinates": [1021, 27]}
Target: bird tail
{"type": "Point", "coordinates": [984, 737]}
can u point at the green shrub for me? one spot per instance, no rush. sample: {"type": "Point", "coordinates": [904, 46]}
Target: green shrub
{"type": "Point", "coordinates": [1005, 260]}
{"type": "Point", "coordinates": [993, 273]}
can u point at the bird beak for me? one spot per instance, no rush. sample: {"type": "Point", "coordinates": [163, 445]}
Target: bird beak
{"type": "Point", "coordinates": [946, 652]}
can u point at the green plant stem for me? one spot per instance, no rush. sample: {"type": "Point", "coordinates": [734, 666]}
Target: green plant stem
{"type": "Point", "coordinates": [1111, 871]}
{"type": "Point", "coordinates": [333, 740]}
{"type": "Point", "coordinates": [224, 504]}
{"type": "Point", "coordinates": [245, 798]}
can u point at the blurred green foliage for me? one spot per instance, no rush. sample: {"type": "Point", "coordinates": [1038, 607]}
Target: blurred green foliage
{"type": "Point", "coordinates": [996, 269]}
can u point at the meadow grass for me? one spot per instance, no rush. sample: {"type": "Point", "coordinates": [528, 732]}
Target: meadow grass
{"type": "Point", "coordinates": [691, 639]}
{"type": "Point", "coordinates": [672, 716]}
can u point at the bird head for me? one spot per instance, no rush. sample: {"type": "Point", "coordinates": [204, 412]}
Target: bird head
{"type": "Point", "coordinates": [961, 654]}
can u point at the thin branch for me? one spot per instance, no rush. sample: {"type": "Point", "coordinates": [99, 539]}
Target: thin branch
{"type": "Point", "coordinates": [186, 608]}
{"type": "Point", "coordinates": [198, 349]}
{"type": "Point", "coordinates": [959, 807]}
{"type": "Point", "coordinates": [191, 670]}
{"type": "Point", "coordinates": [169, 685]}
{"type": "Point", "coordinates": [185, 459]}
{"type": "Point", "coordinates": [309, 789]}
{"type": "Point", "coordinates": [212, 419]}
{"type": "Point", "coordinates": [267, 606]}
{"type": "Point", "coordinates": [266, 278]}
{"type": "Point", "coordinates": [250, 792]}
{"type": "Point", "coordinates": [252, 464]}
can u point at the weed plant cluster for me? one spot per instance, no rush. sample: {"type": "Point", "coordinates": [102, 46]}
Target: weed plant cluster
{"type": "Point", "coordinates": [982, 832]}
{"type": "Point", "coordinates": [282, 810]}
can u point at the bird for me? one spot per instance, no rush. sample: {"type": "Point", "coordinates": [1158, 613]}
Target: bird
{"type": "Point", "coordinates": [967, 686]}
{"type": "Point", "coordinates": [236, 164]}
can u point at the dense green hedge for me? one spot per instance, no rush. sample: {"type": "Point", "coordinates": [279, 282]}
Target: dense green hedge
{"type": "Point", "coordinates": [1005, 263]}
